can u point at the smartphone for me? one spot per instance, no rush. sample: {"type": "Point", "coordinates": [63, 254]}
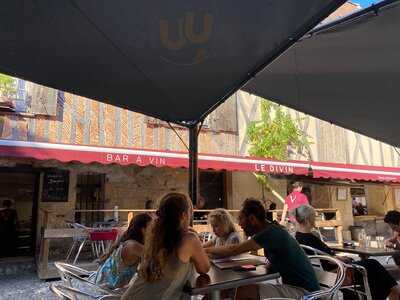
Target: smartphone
{"type": "Point", "coordinates": [245, 268]}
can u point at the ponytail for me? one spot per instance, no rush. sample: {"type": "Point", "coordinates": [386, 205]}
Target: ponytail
{"type": "Point", "coordinates": [164, 235]}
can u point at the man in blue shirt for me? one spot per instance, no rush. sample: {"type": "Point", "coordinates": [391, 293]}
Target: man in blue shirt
{"type": "Point", "coordinates": [280, 248]}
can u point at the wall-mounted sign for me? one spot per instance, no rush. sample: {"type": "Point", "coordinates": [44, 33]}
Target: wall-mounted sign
{"type": "Point", "coordinates": [55, 186]}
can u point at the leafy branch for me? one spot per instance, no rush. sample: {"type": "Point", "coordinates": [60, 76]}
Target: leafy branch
{"type": "Point", "coordinates": [7, 86]}
{"type": "Point", "coordinates": [276, 135]}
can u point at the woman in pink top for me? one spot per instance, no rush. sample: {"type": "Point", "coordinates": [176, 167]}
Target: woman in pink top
{"type": "Point", "coordinates": [292, 201]}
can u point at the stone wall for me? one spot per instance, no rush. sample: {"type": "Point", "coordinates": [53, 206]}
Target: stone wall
{"type": "Point", "coordinates": [321, 197]}
{"type": "Point", "coordinates": [344, 206]}
{"type": "Point", "coordinates": [244, 185]}
{"type": "Point", "coordinates": [130, 187]}
{"type": "Point", "coordinates": [376, 199]}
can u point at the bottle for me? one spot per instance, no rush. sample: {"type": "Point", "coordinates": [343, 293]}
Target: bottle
{"type": "Point", "coordinates": [361, 238]}
{"type": "Point", "coordinates": [116, 213]}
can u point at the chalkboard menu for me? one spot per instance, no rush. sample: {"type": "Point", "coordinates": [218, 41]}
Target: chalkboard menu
{"type": "Point", "coordinates": [55, 186]}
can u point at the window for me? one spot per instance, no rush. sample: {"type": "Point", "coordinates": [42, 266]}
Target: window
{"type": "Point", "coordinates": [90, 195]}
{"type": "Point", "coordinates": [359, 201]}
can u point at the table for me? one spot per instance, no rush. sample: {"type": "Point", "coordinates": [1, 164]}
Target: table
{"type": "Point", "coordinates": [364, 253]}
{"type": "Point", "coordinates": [216, 280]}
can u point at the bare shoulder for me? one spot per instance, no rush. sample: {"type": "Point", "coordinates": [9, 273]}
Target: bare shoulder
{"type": "Point", "coordinates": [131, 251]}
{"type": "Point", "coordinates": [190, 235]}
{"type": "Point", "coordinates": [190, 239]}
{"type": "Point", "coordinates": [133, 245]}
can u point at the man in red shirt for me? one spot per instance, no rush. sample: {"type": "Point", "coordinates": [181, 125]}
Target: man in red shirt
{"type": "Point", "coordinates": [292, 201]}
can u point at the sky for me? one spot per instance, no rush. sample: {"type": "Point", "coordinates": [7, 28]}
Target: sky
{"type": "Point", "coordinates": [365, 3]}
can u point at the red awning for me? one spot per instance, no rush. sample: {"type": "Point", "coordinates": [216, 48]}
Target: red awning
{"type": "Point", "coordinates": [124, 156]}
{"type": "Point", "coordinates": [355, 172]}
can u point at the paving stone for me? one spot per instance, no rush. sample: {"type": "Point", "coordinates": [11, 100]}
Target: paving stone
{"type": "Point", "coordinates": [25, 286]}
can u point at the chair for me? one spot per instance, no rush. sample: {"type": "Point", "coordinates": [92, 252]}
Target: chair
{"type": "Point", "coordinates": [205, 236]}
{"type": "Point", "coordinates": [68, 273]}
{"type": "Point", "coordinates": [68, 293]}
{"type": "Point", "coordinates": [329, 282]}
{"type": "Point", "coordinates": [392, 268]}
{"type": "Point", "coordinates": [78, 240]}
{"type": "Point", "coordinates": [102, 239]}
{"type": "Point", "coordinates": [356, 288]}
{"type": "Point", "coordinates": [99, 238]}
{"type": "Point", "coordinates": [312, 251]}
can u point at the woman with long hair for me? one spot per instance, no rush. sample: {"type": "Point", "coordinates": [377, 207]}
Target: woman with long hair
{"type": "Point", "coordinates": [120, 264]}
{"type": "Point", "coordinates": [171, 250]}
{"type": "Point", "coordinates": [223, 227]}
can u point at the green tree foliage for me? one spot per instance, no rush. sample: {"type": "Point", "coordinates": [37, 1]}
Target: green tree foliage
{"type": "Point", "coordinates": [275, 136]}
{"type": "Point", "coordinates": [7, 86]}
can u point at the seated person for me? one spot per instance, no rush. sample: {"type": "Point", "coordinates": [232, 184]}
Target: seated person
{"type": "Point", "coordinates": [223, 227]}
{"type": "Point", "coordinates": [170, 252]}
{"type": "Point", "coordinates": [225, 233]}
{"type": "Point", "coordinates": [392, 218]}
{"type": "Point", "coordinates": [120, 264]}
{"type": "Point", "coordinates": [381, 283]}
{"type": "Point", "coordinates": [282, 251]}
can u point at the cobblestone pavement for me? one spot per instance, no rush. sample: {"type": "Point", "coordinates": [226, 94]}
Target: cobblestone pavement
{"type": "Point", "coordinates": [24, 287]}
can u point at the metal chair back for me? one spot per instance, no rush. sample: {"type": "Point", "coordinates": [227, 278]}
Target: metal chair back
{"type": "Point", "coordinates": [329, 282]}
{"type": "Point", "coordinates": [60, 292]}
{"type": "Point", "coordinates": [361, 291]}
{"type": "Point", "coordinates": [78, 242]}
{"type": "Point", "coordinates": [366, 292]}
{"type": "Point", "coordinates": [68, 273]}
{"type": "Point", "coordinates": [65, 292]}
{"type": "Point", "coordinates": [312, 251]}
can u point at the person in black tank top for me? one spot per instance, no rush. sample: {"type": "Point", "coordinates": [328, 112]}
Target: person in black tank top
{"type": "Point", "coordinates": [381, 283]}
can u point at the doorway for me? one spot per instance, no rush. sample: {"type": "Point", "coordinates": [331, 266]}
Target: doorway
{"type": "Point", "coordinates": [212, 189]}
{"type": "Point", "coordinates": [18, 216]}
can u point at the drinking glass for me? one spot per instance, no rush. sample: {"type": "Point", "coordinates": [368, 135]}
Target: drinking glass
{"type": "Point", "coordinates": [380, 241]}
{"type": "Point", "coordinates": [361, 238]}
{"type": "Point", "coordinates": [367, 241]}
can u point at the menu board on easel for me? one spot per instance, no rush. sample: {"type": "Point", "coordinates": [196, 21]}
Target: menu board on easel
{"type": "Point", "coordinates": [55, 186]}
